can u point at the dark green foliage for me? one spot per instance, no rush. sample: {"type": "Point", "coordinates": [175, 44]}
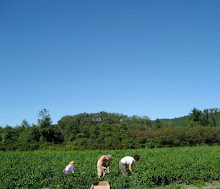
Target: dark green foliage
{"type": "Point", "coordinates": [157, 124]}
{"type": "Point", "coordinates": [112, 131]}
{"type": "Point", "coordinates": [209, 117]}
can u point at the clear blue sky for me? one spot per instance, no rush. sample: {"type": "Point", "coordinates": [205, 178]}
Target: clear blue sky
{"type": "Point", "coordinates": [152, 58]}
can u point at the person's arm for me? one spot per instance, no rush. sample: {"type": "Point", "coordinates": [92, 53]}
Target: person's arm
{"type": "Point", "coordinates": [101, 165]}
{"type": "Point", "coordinates": [130, 167]}
{"type": "Point", "coordinates": [108, 167]}
{"type": "Point", "coordinates": [72, 169]}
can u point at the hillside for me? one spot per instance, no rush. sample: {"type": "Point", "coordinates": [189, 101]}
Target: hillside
{"type": "Point", "coordinates": [179, 121]}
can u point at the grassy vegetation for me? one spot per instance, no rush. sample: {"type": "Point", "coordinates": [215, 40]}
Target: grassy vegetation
{"type": "Point", "coordinates": [157, 167]}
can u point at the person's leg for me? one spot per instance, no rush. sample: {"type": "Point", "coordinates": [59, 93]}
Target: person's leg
{"type": "Point", "coordinates": [123, 168]}
{"type": "Point", "coordinates": [99, 172]}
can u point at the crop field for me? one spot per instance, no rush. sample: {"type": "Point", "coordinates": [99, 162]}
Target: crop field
{"type": "Point", "coordinates": [156, 167]}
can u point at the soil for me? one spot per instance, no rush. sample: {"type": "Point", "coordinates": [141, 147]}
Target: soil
{"type": "Point", "coordinates": [213, 185]}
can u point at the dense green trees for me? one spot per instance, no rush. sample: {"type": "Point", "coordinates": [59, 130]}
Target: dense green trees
{"type": "Point", "coordinates": [112, 131]}
{"type": "Point", "coordinates": [207, 117]}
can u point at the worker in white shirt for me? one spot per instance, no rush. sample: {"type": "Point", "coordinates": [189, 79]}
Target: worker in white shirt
{"type": "Point", "coordinates": [128, 160]}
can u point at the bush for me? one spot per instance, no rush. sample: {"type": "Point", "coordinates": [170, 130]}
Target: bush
{"type": "Point", "coordinates": [178, 136]}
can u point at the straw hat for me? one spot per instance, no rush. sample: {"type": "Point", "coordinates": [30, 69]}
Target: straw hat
{"type": "Point", "coordinates": [72, 162]}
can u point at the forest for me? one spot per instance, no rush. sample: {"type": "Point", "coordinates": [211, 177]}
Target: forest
{"type": "Point", "coordinates": [112, 131]}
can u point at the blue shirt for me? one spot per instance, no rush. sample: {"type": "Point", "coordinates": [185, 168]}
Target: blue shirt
{"type": "Point", "coordinates": [69, 168]}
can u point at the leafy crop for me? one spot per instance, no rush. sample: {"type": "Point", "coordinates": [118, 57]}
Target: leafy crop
{"type": "Point", "coordinates": [156, 167]}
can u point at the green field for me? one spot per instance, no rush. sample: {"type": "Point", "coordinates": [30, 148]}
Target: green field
{"type": "Point", "coordinates": [156, 167]}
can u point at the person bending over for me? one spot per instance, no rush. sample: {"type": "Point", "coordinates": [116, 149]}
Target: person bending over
{"type": "Point", "coordinates": [127, 161]}
{"type": "Point", "coordinates": [103, 165]}
{"type": "Point", "coordinates": [69, 168]}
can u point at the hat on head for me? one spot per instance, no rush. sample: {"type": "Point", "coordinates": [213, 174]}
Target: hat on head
{"type": "Point", "coordinates": [72, 162]}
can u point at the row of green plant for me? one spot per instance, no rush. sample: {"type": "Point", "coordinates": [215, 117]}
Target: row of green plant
{"type": "Point", "coordinates": [156, 167]}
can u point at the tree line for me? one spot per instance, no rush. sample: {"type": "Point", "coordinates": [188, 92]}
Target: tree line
{"type": "Point", "coordinates": [112, 131]}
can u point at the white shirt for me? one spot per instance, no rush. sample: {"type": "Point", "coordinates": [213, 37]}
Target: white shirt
{"type": "Point", "coordinates": [127, 160]}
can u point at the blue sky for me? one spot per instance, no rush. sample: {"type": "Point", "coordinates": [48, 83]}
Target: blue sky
{"type": "Point", "coordinates": [150, 58]}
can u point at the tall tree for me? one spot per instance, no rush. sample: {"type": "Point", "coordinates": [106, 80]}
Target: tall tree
{"type": "Point", "coordinates": [157, 124]}
{"type": "Point", "coordinates": [195, 117]}
{"type": "Point", "coordinates": [70, 131]}
{"type": "Point", "coordinates": [44, 124]}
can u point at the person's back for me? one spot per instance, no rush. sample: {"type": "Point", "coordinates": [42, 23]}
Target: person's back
{"type": "Point", "coordinates": [127, 160]}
